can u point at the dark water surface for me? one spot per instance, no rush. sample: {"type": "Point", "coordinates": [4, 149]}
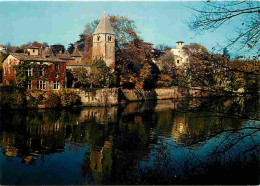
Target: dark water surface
{"type": "Point", "coordinates": [168, 142]}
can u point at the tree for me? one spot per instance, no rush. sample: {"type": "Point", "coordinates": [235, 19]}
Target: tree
{"type": "Point", "coordinates": [163, 47]}
{"type": "Point", "coordinates": [168, 65]}
{"type": "Point", "coordinates": [132, 53]}
{"type": "Point", "coordinates": [133, 61]}
{"type": "Point", "coordinates": [226, 53]}
{"type": "Point", "coordinates": [214, 14]}
{"type": "Point", "coordinates": [100, 75]}
{"type": "Point", "coordinates": [57, 48]}
{"type": "Point", "coordinates": [71, 48]}
{"type": "Point", "coordinates": [8, 47]}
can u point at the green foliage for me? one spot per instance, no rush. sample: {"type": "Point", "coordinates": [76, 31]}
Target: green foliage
{"type": "Point", "coordinates": [69, 98]}
{"type": "Point", "coordinates": [79, 75]}
{"type": "Point", "coordinates": [100, 75]}
{"type": "Point", "coordinates": [71, 48]}
{"type": "Point", "coordinates": [226, 53]}
{"type": "Point", "coordinates": [22, 77]}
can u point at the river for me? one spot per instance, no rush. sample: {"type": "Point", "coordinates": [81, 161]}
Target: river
{"type": "Point", "coordinates": [198, 141]}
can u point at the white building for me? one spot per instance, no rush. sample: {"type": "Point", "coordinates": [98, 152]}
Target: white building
{"type": "Point", "coordinates": [181, 57]}
{"type": "Point", "coordinates": [2, 49]}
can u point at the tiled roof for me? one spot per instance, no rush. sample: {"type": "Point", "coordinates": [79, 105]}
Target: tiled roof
{"type": "Point", "coordinates": [24, 57]}
{"type": "Point", "coordinates": [76, 53]}
{"type": "Point", "coordinates": [104, 26]}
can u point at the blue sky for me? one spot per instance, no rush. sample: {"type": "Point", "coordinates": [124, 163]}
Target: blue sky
{"type": "Point", "coordinates": [62, 22]}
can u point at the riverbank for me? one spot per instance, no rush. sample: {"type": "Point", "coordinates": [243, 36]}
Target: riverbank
{"type": "Point", "coordinates": [15, 98]}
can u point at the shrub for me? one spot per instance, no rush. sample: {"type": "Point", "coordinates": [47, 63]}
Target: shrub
{"type": "Point", "coordinates": [11, 97]}
{"type": "Point", "coordinates": [51, 99]}
{"type": "Point", "coordinates": [69, 98]}
{"type": "Point", "coordinates": [34, 97]}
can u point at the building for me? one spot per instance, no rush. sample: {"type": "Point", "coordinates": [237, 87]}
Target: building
{"type": "Point", "coordinates": [48, 73]}
{"type": "Point", "coordinates": [181, 57]}
{"type": "Point", "coordinates": [104, 42]}
{"type": "Point", "coordinates": [3, 49]}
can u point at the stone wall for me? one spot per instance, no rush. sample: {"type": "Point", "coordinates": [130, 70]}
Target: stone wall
{"type": "Point", "coordinates": [160, 93]}
{"type": "Point", "coordinates": [113, 96]}
{"type": "Point", "coordinates": [101, 97]}
{"type": "Point", "coordinates": [163, 93]}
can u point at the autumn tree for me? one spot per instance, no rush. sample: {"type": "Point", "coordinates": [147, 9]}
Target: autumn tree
{"type": "Point", "coordinates": [167, 66]}
{"type": "Point", "coordinates": [134, 65]}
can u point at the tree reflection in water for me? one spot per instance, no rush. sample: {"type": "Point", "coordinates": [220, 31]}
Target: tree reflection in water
{"type": "Point", "coordinates": [168, 142]}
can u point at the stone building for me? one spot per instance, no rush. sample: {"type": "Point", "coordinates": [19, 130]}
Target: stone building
{"type": "Point", "coordinates": [51, 77]}
{"type": "Point", "coordinates": [181, 57]}
{"type": "Point", "coordinates": [104, 42]}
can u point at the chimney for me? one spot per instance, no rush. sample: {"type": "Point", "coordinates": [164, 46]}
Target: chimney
{"type": "Point", "coordinates": [180, 44]}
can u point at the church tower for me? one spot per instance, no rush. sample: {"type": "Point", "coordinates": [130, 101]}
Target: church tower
{"type": "Point", "coordinates": [104, 42]}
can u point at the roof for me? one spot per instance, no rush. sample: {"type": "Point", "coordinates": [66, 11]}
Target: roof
{"type": "Point", "coordinates": [76, 53]}
{"type": "Point", "coordinates": [24, 57]}
{"type": "Point", "coordinates": [47, 52]}
{"type": "Point", "coordinates": [66, 55]}
{"type": "Point", "coordinates": [33, 47]}
{"type": "Point", "coordinates": [75, 63]}
{"type": "Point", "coordinates": [179, 42]}
{"type": "Point", "coordinates": [104, 26]}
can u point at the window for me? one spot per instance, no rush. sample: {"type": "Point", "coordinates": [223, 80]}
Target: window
{"type": "Point", "coordinates": [29, 85]}
{"type": "Point", "coordinates": [109, 38]}
{"type": "Point", "coordinates": [56, 66]}
{"type": "Point", "coordinates": [178, 61]}
{"type": "Point", "coordinates": [41, 72]}
{"type": "Point", "coordinates": [56, 85]}
{"type": "Point", "coordinates": [41, 85]}
{"type": "Point", "coordinates": [29, 72]}
{"type": "Point", "coordinates": [33, 51]}
{"type": "Point", "coordinates": [98, 38]}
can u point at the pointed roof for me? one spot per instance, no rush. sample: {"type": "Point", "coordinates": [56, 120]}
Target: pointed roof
{"type": "Point", "coordinates": [104, 26]}
{"type": "Point", "coordinates": [76, 53]}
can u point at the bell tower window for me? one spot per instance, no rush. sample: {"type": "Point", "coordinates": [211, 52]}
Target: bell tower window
{"type": "Point", "coordinates": [109, 38]}
{"type": "Point", "coordinates": [98, 38]}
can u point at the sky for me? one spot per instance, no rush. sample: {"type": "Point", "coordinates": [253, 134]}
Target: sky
{"type": "Point", "coordinates": [62, 22]}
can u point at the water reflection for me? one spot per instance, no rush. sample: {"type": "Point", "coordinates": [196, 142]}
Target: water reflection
{"type": "Point", "coordinates": [171, 141]}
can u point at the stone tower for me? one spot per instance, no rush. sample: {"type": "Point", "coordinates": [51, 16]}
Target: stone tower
{"type": "Point", "coordinates": [104, 42]}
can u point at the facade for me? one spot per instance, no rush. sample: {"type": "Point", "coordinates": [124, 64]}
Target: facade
{"type": "Point", "coordinates": [181, 57]}
{"type": "Point", "coordinates": [51, 77]}
{"type": "Point", "coordinates": [3, 49]}
{"type": "Point", "coordinates": [104, 42]}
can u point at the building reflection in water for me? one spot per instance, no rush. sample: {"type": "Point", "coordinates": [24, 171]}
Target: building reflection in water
{"type": "Point", "coordinates": [115, 139]}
